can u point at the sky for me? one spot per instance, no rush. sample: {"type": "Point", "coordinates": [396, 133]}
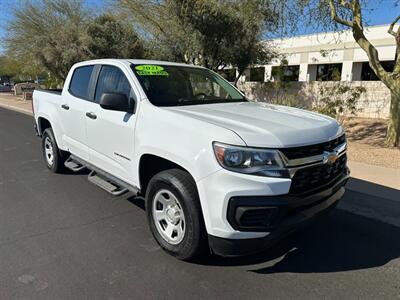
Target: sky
{"type": "Point", "coordinates": [8, 6]}
{"type": "Point", "coordinates": [381, 12]}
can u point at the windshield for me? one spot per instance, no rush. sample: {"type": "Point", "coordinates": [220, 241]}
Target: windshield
{"type": "Point", "coordinates": [179, 85]}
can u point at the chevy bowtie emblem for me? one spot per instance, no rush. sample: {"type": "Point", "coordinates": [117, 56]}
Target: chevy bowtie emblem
{"type": "Point", "coordinates": [329, 157]}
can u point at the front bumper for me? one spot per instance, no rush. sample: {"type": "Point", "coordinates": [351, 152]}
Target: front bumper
{"type": "Point", "coordinates": [293, 213]}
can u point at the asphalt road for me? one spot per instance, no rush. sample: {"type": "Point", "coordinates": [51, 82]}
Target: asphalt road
{"type": "Point", "coordinates": [63, 238]}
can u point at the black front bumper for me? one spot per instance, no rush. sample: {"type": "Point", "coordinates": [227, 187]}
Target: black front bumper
{"type": "Point", "coordinates": [288, 213]}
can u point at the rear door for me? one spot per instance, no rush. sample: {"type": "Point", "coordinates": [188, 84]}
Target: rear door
{"type": "Point", "coordinates": [111, 133]}
{"type": "Point", "coordinates": [73, 110]}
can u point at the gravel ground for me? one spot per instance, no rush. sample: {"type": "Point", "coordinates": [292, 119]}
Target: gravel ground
{"type": "Point", "coordinates": [366, 139]}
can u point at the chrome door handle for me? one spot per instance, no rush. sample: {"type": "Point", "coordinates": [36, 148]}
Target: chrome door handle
{"type": "Point", "coordinates": [91, 115]}
{"type": "Point", "coordinates": [65, 106]}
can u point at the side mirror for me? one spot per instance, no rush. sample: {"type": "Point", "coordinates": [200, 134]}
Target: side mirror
{"type": "Point", "coordinates": [114, 101]}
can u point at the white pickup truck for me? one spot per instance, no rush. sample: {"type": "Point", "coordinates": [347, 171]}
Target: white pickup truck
{"type": "Point", "coordinates": [218, 173]}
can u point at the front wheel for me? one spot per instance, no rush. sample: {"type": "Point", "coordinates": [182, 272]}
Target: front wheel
{"type": "Point", "coordinates": [174, 214]}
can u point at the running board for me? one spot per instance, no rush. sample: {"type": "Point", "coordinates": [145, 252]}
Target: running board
{"type": "Point", "coordinates": [73, 165]}
{"type": "Point", "coordinates": [106, 184]}
{"type": "Point", "coordinates": [105, 180]}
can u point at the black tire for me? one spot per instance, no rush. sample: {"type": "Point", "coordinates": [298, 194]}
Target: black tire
{"type": "Point", "coordinates": [183, 187]}
{"type": "Point", "coordinates": [56, 165]}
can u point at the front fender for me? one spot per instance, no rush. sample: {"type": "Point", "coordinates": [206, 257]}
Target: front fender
{"type": "Point", "coordinates": [181, 139]}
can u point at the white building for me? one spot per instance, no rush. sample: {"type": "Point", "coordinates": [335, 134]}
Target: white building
{"type": "Point", "coordinates": [323, 58]}
{"type": "Point", "coordinates": [326, 57]}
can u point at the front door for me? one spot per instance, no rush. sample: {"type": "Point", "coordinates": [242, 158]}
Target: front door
{"type": "Point", "coordinates": [111, 133]}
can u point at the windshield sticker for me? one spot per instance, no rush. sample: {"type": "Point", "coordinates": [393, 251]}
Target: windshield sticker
{"type": "Point", "coordinates": [150, 70]}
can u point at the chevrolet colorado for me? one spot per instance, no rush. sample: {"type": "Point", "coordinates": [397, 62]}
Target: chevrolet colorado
{"type": "Point", "coordinates": [217, 172]}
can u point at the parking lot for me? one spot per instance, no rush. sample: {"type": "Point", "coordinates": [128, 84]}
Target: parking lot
{"type": "Point", "coordinates": [63, 238]}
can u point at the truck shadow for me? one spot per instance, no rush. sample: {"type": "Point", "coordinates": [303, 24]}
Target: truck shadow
{"type": "Point", "coordinates": [342, 241]}
{"type": "Point", "coordinates": [339, 241]}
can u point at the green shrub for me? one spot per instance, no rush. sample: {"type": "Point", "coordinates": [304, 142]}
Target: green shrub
{"type": "Point", "coordinates": [338, 100]}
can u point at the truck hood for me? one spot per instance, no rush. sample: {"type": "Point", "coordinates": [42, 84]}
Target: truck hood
{"type": "Point", "coordinates": [266, 125]}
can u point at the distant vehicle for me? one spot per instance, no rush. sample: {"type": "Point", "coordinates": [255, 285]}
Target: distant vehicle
{"type": "Point", "coordinates": [5, 88]}
{"type": "Point", "coordinates": [218, 172]}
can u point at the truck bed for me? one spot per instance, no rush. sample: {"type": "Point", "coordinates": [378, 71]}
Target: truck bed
{"type": "Point", "coordinates": [48, 101]}
{"type": "Point", "coordinates": [53, 91]}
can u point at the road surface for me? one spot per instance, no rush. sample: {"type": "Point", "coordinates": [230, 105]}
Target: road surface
{"type": "Point", "coordinates": [63, 238]}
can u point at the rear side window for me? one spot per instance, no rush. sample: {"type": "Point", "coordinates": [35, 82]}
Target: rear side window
{"type": "Point", "coordinates": [80, 80]}
{"type": "Point", "coordinates": [112, 80]}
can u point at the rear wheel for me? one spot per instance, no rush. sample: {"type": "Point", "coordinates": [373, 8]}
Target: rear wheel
{"type": "Point", "coordinates": [174, 214]}
{"type": "Point", "coordinates": [54, 157]}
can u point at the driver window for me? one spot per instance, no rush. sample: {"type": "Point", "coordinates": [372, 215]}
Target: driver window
{"type": "Point", "coordinates": [112, 80]}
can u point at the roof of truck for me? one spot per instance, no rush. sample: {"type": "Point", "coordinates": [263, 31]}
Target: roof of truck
{"type": "Point", "coordinates": [137, 62]}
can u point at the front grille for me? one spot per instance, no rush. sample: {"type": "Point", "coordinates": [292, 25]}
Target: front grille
{"type": "Point", "coordinates": [315, 178]}
{"type": "Point", "coordinates": [311, 150]}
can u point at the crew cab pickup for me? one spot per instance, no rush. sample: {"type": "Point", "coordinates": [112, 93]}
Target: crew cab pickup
{"type": "Point", "coordinates": [218, 172]}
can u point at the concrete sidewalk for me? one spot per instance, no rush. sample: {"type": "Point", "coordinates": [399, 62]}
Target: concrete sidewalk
{"type": "Point", "coordinates": [379, 175]}
{"type": "Point", "coordinates": [9, 101]}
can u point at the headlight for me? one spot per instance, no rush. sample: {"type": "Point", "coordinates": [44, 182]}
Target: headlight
{"type": "Point", "coordinates": [261, 162]}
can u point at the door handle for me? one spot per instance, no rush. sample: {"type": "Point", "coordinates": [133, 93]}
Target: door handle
{"type": "Point", "coordinates": [91, 115]}
{"type": "Point", "coordinates": [65, 106]}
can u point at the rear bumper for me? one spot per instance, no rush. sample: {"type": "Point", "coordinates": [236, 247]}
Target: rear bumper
{"type": "Point", "coordinates": [294, 213]}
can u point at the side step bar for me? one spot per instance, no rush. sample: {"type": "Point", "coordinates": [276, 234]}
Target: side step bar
{"type": "Point", "coordinates": [106, 184]}
{"type": "Point", "coordinates": [73, 165]}
{"type": "Point", "coordinates": [103, 179]}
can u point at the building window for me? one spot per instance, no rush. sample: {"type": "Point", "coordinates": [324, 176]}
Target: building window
{"type": "Point", "coordinates": [329, 72]}
{"type": "Point", "coordinates": [285, 73]}
{"type": "Point", "coordinates": [368, 75]}
{"type": "Point", "coordinates": [228, 74]}
{"type": "Point", "coordinates": [257, 74]}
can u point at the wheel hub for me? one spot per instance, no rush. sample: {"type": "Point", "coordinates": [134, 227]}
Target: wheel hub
{"type": "Point", "coordinates": [49, 151]}
{"type": "Point", "coordinates": [168, 217]}
{"type": "Point", "coordinates": [173, 214]}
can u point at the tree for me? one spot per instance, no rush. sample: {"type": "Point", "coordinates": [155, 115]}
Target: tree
{"type": "Point", "coordinates": [107, 37]}
{"type": "Point", "coordinates": [390, 79]}
{"type": "Point", "coordinates": [211, 33]}
{"type": "Point", "coordinates": [18, 71]}
{"type": "Point", "coordinates": [349, 13]}
{"type": "Point", "coordinates": [8, 68]}
{"type": "Point", "coordinates": [49, 33]}
{"type": "Point", "coordinates": [55, 34]}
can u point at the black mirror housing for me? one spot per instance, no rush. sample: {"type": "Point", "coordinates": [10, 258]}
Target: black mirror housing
{"type": "Point", "coordinates": [115, 101]}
